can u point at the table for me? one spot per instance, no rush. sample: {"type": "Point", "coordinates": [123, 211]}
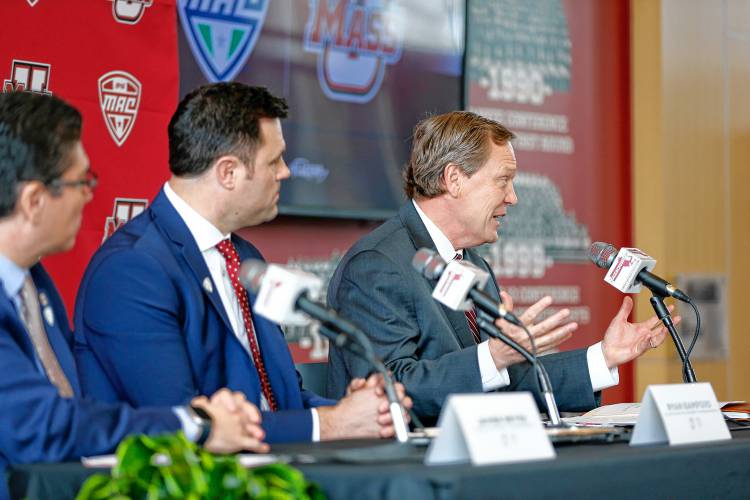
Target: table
{"type": "Point", "coordinates": [612, 471]}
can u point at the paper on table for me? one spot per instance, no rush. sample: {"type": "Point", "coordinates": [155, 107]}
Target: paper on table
{"type": "Point", "coordinates": [618, 414]}
{"type": "Point", "coordinates": [247, 460]}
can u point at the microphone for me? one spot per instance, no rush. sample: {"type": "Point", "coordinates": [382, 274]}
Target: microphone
{"type": "Point", "coordinates": [629, 268]}
{"type": "Point", "coordinates": [459, 279]}
{"type": "Point", "coordinates": [282, 294]}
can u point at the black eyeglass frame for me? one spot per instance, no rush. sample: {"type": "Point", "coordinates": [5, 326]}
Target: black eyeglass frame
{"type": "Point", "coordinates": [91, 181]}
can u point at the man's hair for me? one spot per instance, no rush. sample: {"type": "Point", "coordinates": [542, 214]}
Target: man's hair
{"type": "Point", "coordinates": [216, 120]}
{"type": "Point", "coordinates": [459, 137]}
{"type": "Point", "coordinates": [37, 136]}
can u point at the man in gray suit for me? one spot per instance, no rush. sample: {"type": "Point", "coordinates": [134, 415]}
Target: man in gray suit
{"type": "Point", "coordinates": [459, 182]}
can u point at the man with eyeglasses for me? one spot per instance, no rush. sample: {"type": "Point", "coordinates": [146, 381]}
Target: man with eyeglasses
{"type": "Point", "coordinates": [45, 182]}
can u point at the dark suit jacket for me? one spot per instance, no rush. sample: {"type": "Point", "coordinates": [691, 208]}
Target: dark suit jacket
{"type": "Point", "coordinates": [36, 424]}
{"type": "Point", "coordinates": [150, 331]}
{"type": "Point", "coordinates": [428, 347]}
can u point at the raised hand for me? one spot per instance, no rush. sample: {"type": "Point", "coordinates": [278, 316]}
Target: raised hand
{"type": "Point", "coordinates": [548, 333]}
{"type": "Point", "coordinates": [624, 341]}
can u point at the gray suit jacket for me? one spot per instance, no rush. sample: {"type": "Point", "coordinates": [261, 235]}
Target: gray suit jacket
{"type": "Point", "coordinates": [427, 346]}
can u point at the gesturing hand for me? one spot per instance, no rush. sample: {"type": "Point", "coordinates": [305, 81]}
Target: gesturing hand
{"type": "Point", "coordinates": [624, 341]}
{"type": "Point", "coordinates": [548, 333]}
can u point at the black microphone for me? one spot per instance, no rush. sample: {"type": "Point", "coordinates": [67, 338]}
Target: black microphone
{"type": "Point", "coordinates": [603, 255]}
{"type": "Point", "coordinates": [343, 333]}
{"type": "Point", "coordinates": [429, 264]}
{"type": "Point", "coordinates": [251, 276]}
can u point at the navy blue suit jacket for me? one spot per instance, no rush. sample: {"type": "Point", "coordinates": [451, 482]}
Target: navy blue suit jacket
{"type": "Point", "coordinates": [428, 347]}
{"type": "Point", "coordinates": [151, 328]}
{"type": "Point", "coordinates": [36, 424]}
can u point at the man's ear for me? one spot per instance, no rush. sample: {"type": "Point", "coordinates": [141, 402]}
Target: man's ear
{"type": "Point", "coordinates": [33, 197]}
{"type": "Point", "coordinates": [226, 170]}
{"type": "Point", "coordinates": [452, 179]}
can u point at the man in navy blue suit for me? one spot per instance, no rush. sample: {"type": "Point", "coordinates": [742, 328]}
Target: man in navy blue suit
{"type": "Point", "coordinates": [45, 182]}
{"type": "Point", "coordinates": [161, 315]}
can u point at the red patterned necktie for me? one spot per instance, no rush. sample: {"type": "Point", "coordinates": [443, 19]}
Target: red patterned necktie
{"type": "Point", "coordinates": [471, 314]}
{"type": "Point", "coordinates": [227, 250]}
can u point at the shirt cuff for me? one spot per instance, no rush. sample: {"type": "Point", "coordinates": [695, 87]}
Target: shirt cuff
{"type": "Point", "coordinates": [601, 376]}
{"type": "Point", "coordinates": [492, 378]}
{"type": "Point", "coordinates": [191, 430]}
{"type": "Point", "coordinates": [315, 425]}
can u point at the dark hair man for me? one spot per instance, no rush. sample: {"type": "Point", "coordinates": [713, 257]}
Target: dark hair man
{"type": "Point", "coordinates": [161, 315]}
{"type": "Point", "coordinates": [45, 181]}
{"type": "Point", "coordinates": [460, 182]}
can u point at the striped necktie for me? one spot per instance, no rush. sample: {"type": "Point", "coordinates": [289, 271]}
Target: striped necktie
{"type": "Point", "coordinates": [471, 314]}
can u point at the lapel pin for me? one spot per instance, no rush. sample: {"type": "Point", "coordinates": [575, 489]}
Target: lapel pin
{"type": "Point", "coordinates": [207, 286]}
{"type": "Point", "coordinates": [49, 316]}
{"type": "Point", "coordinates": [43, 300]}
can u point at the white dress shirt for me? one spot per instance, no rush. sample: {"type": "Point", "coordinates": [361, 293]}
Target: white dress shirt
{"type": "Point", "coordinates": [492, 378]}
{"type": "Point", "coordinates": [207, 236]}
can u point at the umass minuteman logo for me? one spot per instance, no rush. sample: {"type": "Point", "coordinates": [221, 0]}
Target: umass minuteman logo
{"type": "Point", "coordinates": [354, 40]}
{"type": "Point", "coordinates": [222, 33]}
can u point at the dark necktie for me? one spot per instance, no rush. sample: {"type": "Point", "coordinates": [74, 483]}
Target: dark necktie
{"type": "Point", "coordinates": [32, 318]}
{"type": "Point", "coordinates": [471, 314]}
{"type": "Point", "coordinates": [232, 258]}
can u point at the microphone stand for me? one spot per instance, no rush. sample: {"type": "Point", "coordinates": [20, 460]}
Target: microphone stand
{"type": "Point", "coordinates": [657, 302]}
{"type": "Point", "coordinates": [364, 350]}
{"type": "Point", "coordinates": [488, 326]}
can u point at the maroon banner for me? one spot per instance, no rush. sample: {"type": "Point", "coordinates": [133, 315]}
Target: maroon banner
{"type": "Point", "coordinates": [557, 74]}
{"type": "Point", "coordinates": [116, 61]}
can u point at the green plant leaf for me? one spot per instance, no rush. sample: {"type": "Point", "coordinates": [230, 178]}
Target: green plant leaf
{"type": "Point", "coordinates": [171, 467]}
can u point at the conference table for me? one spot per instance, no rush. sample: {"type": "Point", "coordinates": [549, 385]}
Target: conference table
{"type": "Point", "coordinates": [361, 470]}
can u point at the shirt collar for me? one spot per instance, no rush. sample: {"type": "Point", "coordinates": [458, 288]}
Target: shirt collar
{"type": "Point", "coordinates": [12, 276]}
{"type": "Point", "coordinates": [206, 235]}
{"type": "Point", "coordinates": [441, 241]}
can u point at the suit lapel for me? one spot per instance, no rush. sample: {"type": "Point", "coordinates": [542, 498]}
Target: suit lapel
{"type": "Point", "coordinates": [16, 329]}
{"type": "Point", "coordinates": [167, 218]}
{"type": "Point", "coordinates": [55, 321]}
{"type": "Point", "coordinates": [420, 237]}
{"type": "Point", "coordinates": [491, 287]}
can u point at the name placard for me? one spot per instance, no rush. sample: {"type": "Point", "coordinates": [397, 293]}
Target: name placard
{"type": "Point", "coordinates": [679, 414]}
{"type": "Point", "coordinates": [489, 429]}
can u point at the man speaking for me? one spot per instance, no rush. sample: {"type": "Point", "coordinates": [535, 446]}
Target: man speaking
{"type": "Point", "coordinates": [459, 182]}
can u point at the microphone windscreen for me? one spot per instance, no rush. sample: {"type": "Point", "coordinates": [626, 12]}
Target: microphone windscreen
{"type": "Point", "coordinates": [251, 274]}
{"type": "Point", "coordinates": [602, 254]}
{"type": "Point", "coordinates": [428, 263]}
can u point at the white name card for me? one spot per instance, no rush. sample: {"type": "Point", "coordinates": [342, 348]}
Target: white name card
{"type": "Point", "coordinates": [679, 414]}
{"type": "Point", "coordinates": [489, 429]}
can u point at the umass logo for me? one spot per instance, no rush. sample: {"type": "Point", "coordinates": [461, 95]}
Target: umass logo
{"type": "Point", "coordinates": [354, 41]}
{"type": "Point", "coordinates": [222, 33]}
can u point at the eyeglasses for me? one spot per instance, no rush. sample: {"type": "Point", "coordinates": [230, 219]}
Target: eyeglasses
{"type": "Point", "coordinates": [90, 182]}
